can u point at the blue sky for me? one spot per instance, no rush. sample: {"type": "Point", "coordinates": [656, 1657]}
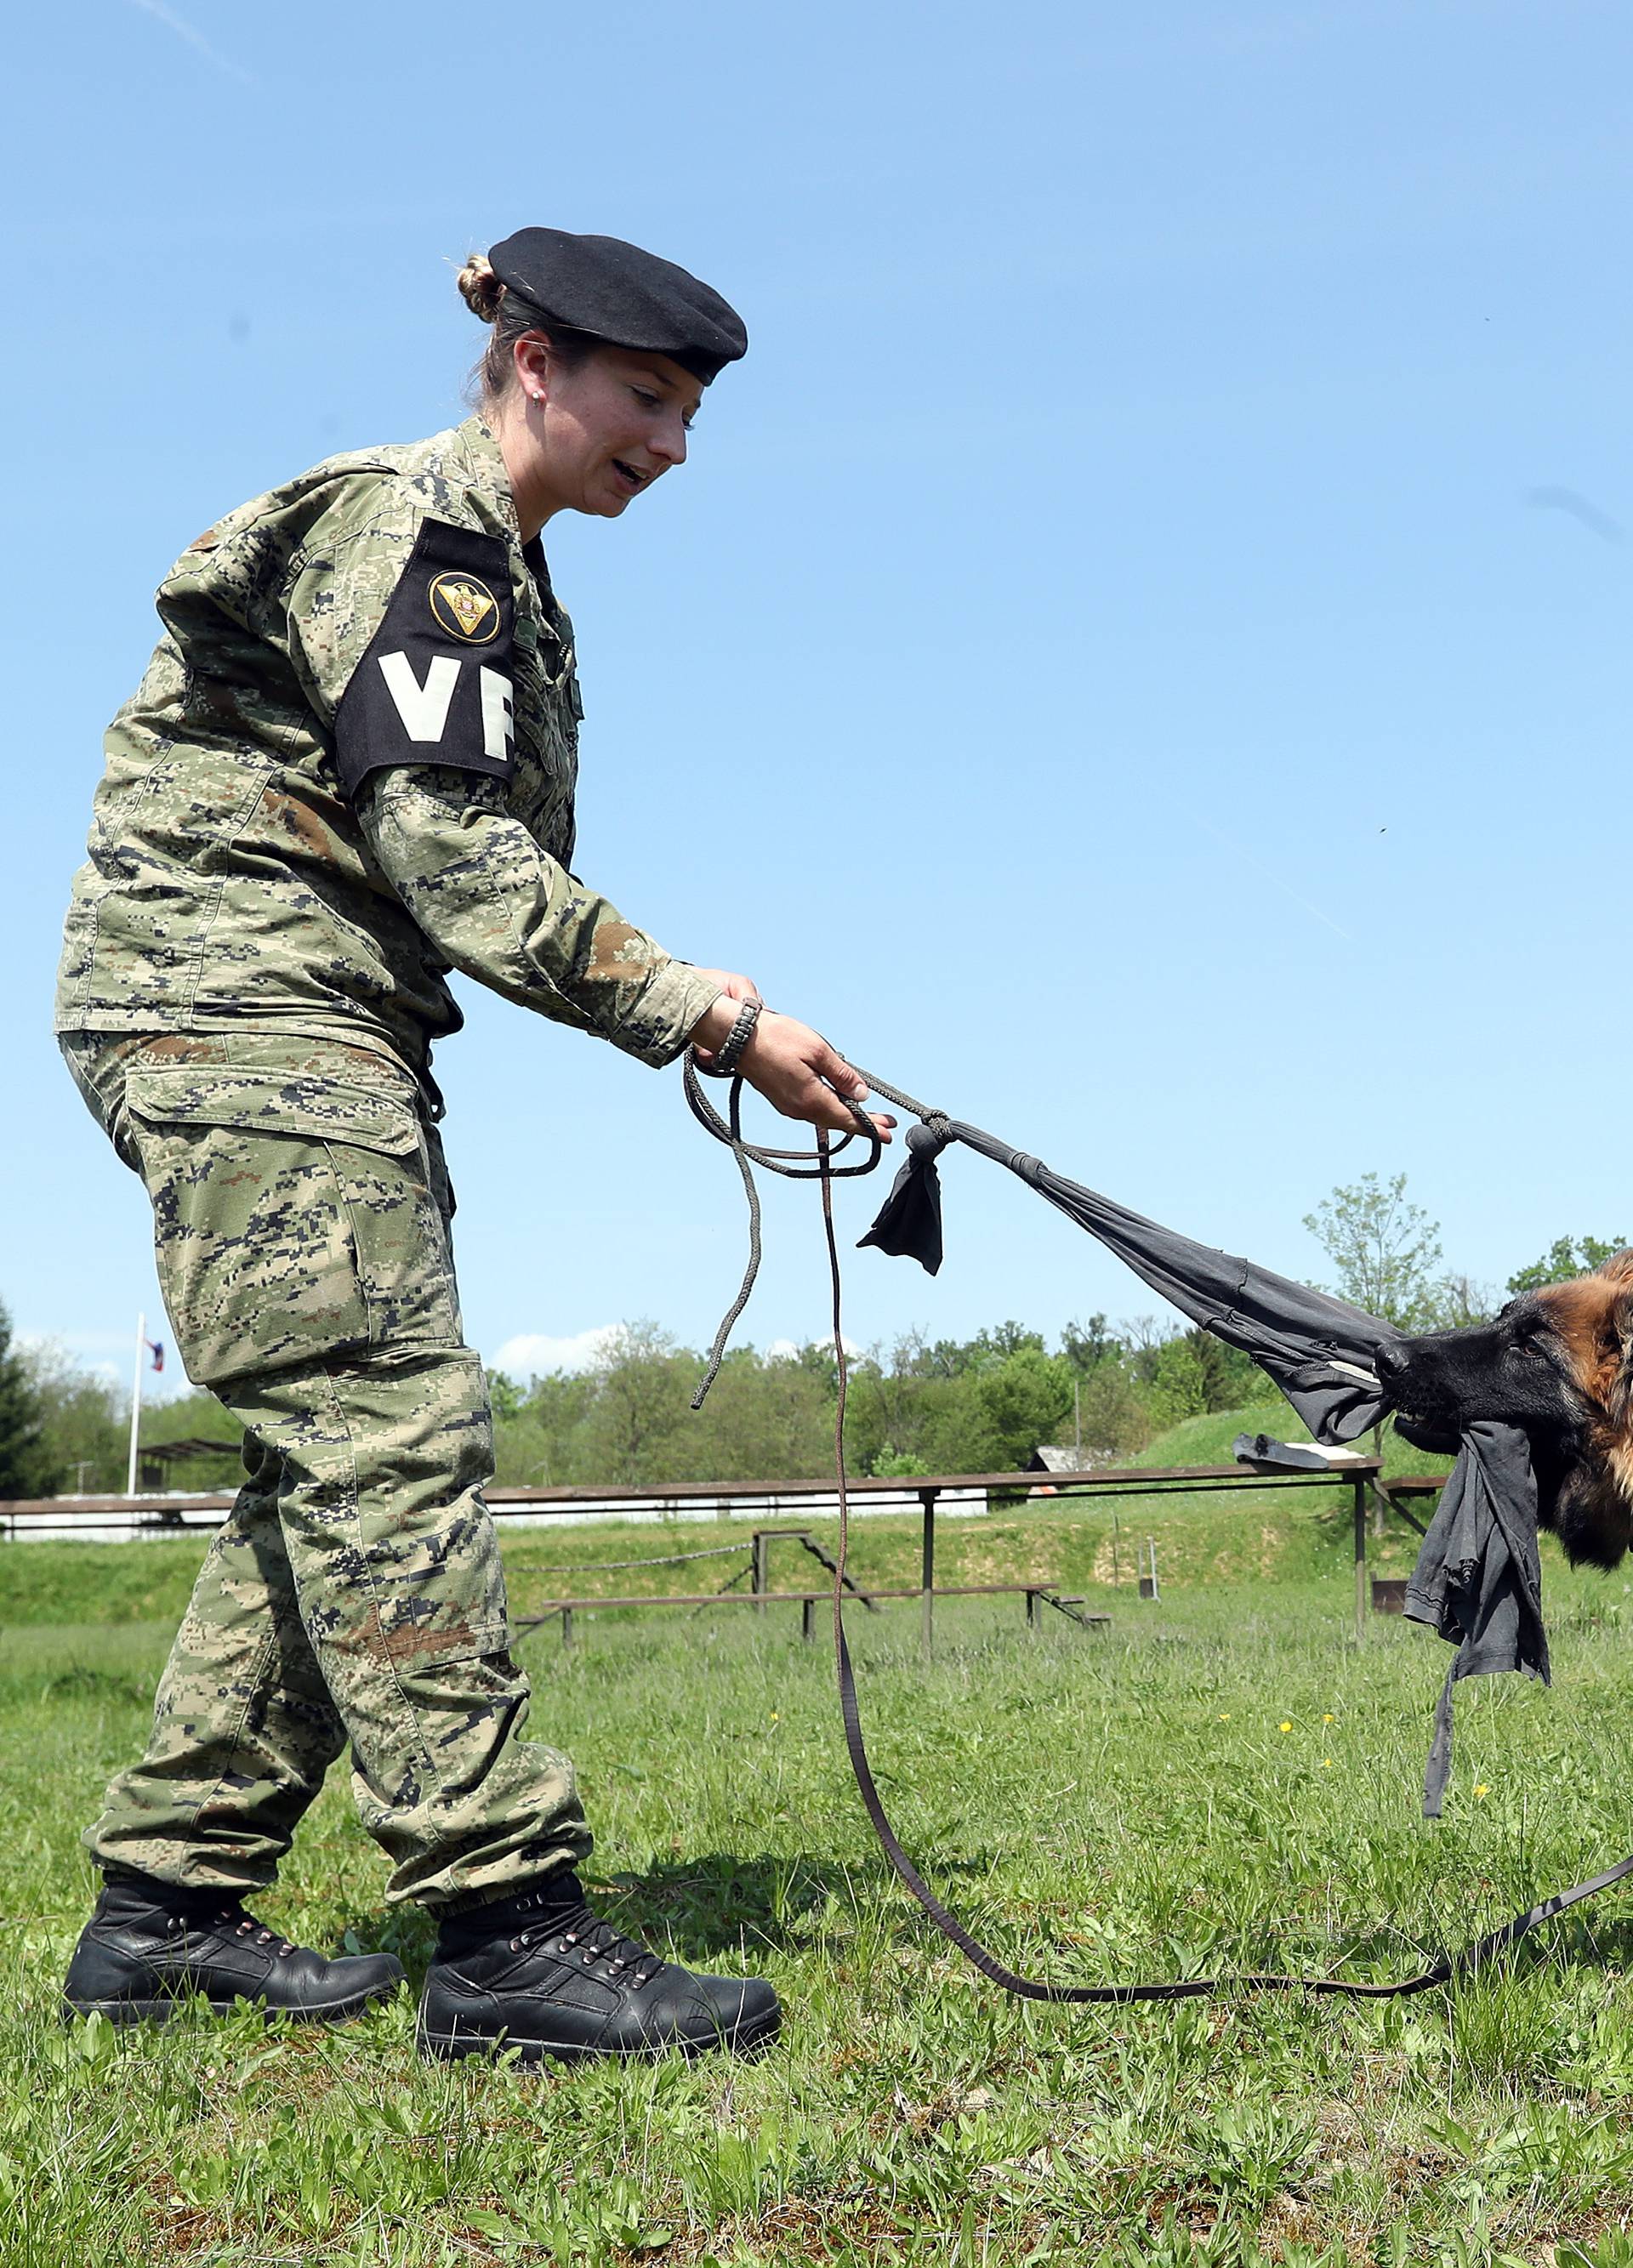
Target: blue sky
{"type": "Point", "coordinates": [1138, 655]}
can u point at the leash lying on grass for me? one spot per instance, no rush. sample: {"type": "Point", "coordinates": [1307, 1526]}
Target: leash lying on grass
{"type": "Point", "coordinates": [1479, 1576]}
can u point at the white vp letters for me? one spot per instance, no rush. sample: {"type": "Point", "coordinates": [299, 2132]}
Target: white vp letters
{"type": "Point", "coordinates": [424, 708]}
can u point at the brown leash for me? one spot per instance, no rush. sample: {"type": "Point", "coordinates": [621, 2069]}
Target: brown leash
{"type": "Point", "coordinates": [820, 1168]}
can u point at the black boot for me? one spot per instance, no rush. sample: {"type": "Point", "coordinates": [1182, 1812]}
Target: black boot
{"type": "Point", "coordinates": [541, 1973]}
{"type": "Point", "coordinates": [149, 1946]}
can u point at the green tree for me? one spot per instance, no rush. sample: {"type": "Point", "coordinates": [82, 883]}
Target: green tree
{"type": "Point", "coordinates": [1178, 1382]}
{"type": "Point", "coordinates": [767, 1418]}
{"type": "Point", "coordinates": [899, 1465]}
{"type": "Point", "coordinates": [899, 1404]}
{"type": "Point", "coordinates": [641, 1397]}
{"type": "Point", "coordinates": [818, 1358]}
{"type": "Point", "coordinates": [955, 1357]}
{"type": "Point", "coordinates": [84, 1423]}
{"type": "Point", "coordinates": [1087, 1345]}
{"type": "Point", "coordinates": [507, 1399]}
{"type": "Point", "coordinates": [1013, 1406]}
{"type": "Point", "coordinates": [1230, 1379]}
{"type": "Point", "coordinates": [1566, 1257]}
{"type": "Point", "coordinates": [629, 1421]}
{"type": "Point", "coordinates": [1385, 1249]}
{"type": "Point", "coordinates": [26, 1465]}
{"type": "Point", "coordinates": [1115, 1411]}
{"type": "Point", "coordinates": [536, 1430]}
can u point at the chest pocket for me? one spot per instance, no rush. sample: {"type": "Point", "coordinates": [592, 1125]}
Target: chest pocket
{"type": "Point", "coordinates": [293, 1217]}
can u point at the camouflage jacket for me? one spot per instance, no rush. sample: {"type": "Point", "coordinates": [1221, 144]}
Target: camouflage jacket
{"type": "Point", "coordinates": [350, 767]}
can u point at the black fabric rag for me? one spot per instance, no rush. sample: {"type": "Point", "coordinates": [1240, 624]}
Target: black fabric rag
{"type": "Point", "coordinates": [1478, 1579]}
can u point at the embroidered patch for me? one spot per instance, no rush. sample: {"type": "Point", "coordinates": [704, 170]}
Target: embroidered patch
{"type": "Point", "coordinates": [465, 607]}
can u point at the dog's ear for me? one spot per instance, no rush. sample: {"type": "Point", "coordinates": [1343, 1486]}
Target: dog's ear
{"type": "Point", "coordinates": [1619, 1267]}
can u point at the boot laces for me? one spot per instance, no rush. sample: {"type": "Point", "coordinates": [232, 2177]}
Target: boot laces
{"type": "Point", "coordinates": [595, 1943]}
{"type": "Point", "coordinates": [234, 1918]}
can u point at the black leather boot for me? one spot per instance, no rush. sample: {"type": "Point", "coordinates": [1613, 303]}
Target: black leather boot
{"type": "Point", "coordinates": [149, 1946]}
{"type": "Point", "coordinates": [541, 1973]}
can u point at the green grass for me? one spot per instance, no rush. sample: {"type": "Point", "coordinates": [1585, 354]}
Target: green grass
{"type": "Point", "coordinates": [1106, 1807]}
{"type": "Point", "coordinates": [1207, 1441]}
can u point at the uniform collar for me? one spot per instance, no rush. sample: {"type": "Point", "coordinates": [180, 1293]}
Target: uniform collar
{"type": "Point", "coordinates": [485, 462]}
{"type": "Point", "coordinates": [488, 476]}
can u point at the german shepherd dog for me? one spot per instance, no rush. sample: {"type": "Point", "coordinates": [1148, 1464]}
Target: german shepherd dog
{"type": "Point", "coordinates": [1559, 1363]}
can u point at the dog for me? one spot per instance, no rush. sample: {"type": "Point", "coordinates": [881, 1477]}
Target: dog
{"type": "Point", "coordinates": [1558, 1363]}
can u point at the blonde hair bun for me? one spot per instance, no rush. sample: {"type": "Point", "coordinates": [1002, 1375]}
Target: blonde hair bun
{"type": "Point", "coordinates": [480, 288]}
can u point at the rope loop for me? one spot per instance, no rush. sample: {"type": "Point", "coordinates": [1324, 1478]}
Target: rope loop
{"type": "Point", "coordinates": [794, 1166]}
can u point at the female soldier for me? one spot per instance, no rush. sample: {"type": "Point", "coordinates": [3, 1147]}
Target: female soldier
{"type": "Point", "coordinates": [349, 768]}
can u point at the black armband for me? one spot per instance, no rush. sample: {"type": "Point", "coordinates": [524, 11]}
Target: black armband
{"type": "Point", "coordinates": [437, 685]}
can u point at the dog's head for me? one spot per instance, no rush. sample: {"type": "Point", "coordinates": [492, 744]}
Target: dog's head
{"type": "Point", "coordinates": [1558, 1363]}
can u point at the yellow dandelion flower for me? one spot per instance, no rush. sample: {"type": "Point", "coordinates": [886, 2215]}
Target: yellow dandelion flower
{"type": "Point", "coordinates": [1482, 1789]}
{"type": "Point", "coordinates": [1286, 1725]}
{"type": "Point", "coordinates": [1225, 1716]}
{"type": "Point", "coordinates": [1326, 1764]}
{"type": "Point", "coordinates": [1329, 1719]}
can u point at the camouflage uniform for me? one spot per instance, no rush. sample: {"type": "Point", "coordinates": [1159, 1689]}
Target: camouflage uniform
{"type": "Point", "coordinates": [349, 768]}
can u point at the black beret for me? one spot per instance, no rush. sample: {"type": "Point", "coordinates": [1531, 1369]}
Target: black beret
{"type": "Point", "coordinates": [617, 292]}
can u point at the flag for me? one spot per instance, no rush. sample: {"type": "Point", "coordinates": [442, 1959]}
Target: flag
{"type": "Point", "coordinates": [156, 1348]}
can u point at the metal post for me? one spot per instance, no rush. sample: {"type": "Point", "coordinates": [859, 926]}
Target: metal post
{"type": "Point", "coordinates": [567, 1626]}
{"type": "Point", "coordinates": [757, 1583]}
{"type": "Point", "coordinates": [1034, 1615]}
{"type": "Point", "coordinates": [1151, 1546]}
{"type": "Point", "coordinates": [135, 1404]}
{"type": "Point", "coordinates": [808, 1621]}
{"type": "Point", "coordinates": [1358, 1491]}
{"type": "Point", "coordinates": [926, 1576]}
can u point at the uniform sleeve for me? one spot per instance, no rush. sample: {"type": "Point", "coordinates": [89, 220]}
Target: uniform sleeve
{"type": "Point", "coordinates": [402, 626]}
{"type": "Point", "coordinates": [500, 909]}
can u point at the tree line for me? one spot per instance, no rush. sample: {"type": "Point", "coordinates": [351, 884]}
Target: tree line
{"type": "Point", "coordinates": [982, 1404]}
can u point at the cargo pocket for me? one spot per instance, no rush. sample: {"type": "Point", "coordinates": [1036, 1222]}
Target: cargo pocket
{"type": "Point", "coordinates": [294, 1216]}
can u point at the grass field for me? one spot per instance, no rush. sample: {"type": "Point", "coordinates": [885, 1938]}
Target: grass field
{"type": "Point", "coordinates": [1221, 1781]}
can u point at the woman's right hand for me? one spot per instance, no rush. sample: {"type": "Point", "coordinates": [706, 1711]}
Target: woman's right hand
{"type": "Point", "coordinates": [793, 1068]}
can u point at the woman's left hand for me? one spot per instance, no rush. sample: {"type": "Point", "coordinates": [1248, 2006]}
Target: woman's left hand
{"type": "Point", "coordinates": [800, 1074]}
{"type": "Point", "coordinates": [794, 1067]}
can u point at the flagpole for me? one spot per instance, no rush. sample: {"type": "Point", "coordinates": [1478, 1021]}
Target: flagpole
{"type": "Point", "coordinates": [136, 1402]}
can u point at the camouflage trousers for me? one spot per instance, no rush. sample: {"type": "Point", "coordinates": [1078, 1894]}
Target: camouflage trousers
{"type": "Point", "coordinates": [355, 1597]}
